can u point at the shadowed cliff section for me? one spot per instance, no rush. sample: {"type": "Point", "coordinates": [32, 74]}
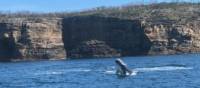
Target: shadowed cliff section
{"type": "Point", "coordinates": [125, 36]}
{"type": "Point", "coordinates": [8, 48]}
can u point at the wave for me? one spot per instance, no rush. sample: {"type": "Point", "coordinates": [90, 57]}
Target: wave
{"type": "Point", "coordinates": [49, 73]}
{"type": "Point", "coordinates": [57, 72]}
{"type": "Point", "coordinates": [112, 71]}
{"type": "Point", "coordinates": [78, 70]}
{"type": "Point", "coordinates": [176, 65]}
{"type": "Point", "coordinates": [164, 68]}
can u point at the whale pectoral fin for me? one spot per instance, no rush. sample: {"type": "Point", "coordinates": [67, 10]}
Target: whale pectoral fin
{"type": "Point", "coordinates": [129, 71]}
{"type": "Point", "coordinates": [120, 72]}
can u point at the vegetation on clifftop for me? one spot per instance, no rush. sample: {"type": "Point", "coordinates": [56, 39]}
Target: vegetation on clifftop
{"type": "Point", "coordinates": [173, 11]}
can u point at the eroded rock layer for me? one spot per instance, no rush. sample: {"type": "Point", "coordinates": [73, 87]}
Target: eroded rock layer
{"type": "Point", "coordinates": [173, 38]}
{"type": "Point", "coordinates": [31, 39]}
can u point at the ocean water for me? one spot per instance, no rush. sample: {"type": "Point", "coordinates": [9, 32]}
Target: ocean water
{"type": "Point", "coordinates": [176, 71]}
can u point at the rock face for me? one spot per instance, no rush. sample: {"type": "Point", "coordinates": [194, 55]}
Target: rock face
{"type": "Point", "coordinates": [134, 37]}
{"type": "Point", "coordinates": [95, 36]}
{"type": "Point", "coordinates": [126, 31]}
{"type": "Point", "coordinates": [31, 39]}
{"type": "Point", "coordinates": [173, 38]}
{"type": "Point", "coordinates": [126, 36]}
{"type": "Point", "coordinates": [93, 48]}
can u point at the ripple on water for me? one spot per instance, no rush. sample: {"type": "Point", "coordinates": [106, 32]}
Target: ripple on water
{"type": "Point", "coordinates": [149, 73]}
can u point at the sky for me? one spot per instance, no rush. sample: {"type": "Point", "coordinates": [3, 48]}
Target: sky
{"type": "Point", "coordinates": [65, 5]}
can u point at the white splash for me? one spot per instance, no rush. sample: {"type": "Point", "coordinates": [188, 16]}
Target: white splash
{"type": "Point", "coordinates": [114, 72]}
{"type": "Point", "coordinates": [165, 68]}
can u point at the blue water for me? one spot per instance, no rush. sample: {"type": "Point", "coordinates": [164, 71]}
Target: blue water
{"type": "Point", "coordinates": [176, 71]}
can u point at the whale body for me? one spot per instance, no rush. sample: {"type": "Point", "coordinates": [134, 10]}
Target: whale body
{"type": "Point", "coordinates": [122, 68]}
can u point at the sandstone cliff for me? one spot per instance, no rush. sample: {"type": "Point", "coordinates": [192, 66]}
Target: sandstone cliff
{"type": "Point", "coordinates": [174, 38]}
{"type": "Point", "coordinates": [31, 39]}
{"type": "Point", "coordinates": [134, 37]}
{"type": "Point", "coordinates": [104, 32]}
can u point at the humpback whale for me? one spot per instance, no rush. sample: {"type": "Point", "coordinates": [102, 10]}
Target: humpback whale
{"type": "Point", "coordinates": [122, 69]}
